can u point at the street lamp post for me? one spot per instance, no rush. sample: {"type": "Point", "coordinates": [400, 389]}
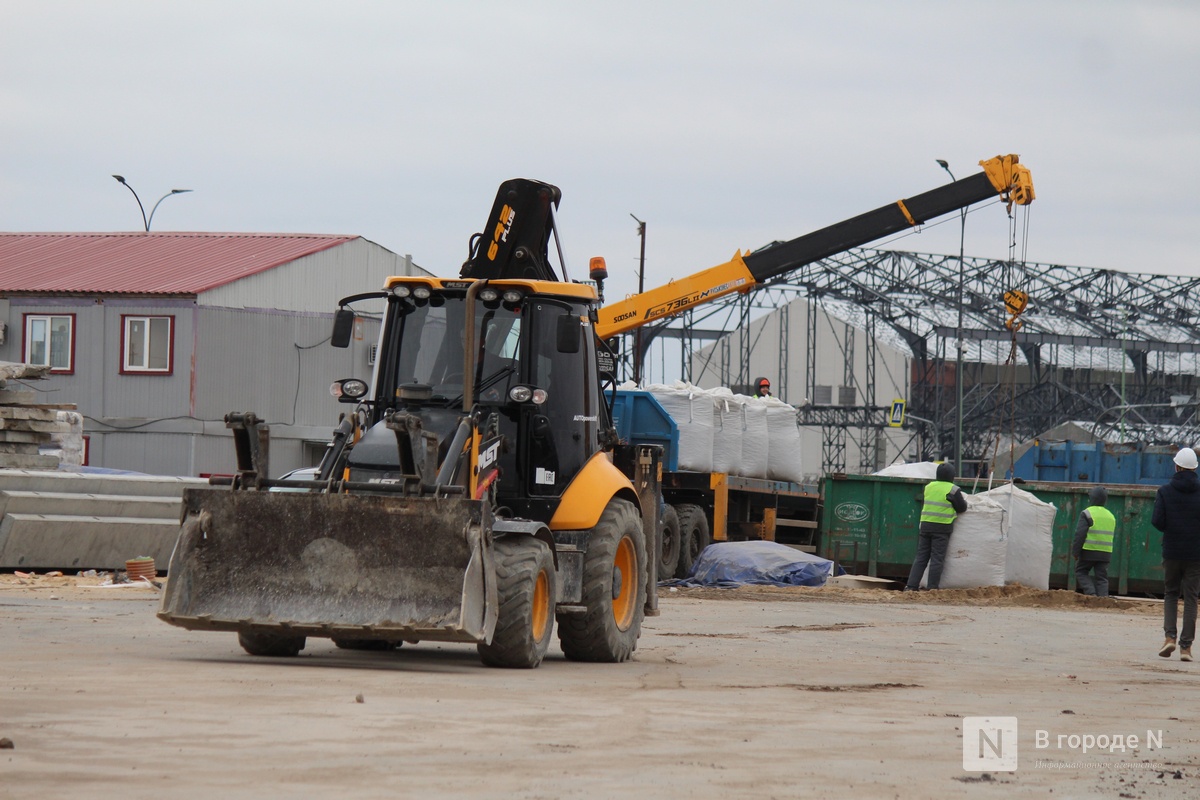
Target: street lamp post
{"type": "Point", "coordinates": [958, 368]}
{"type": "Point", "coordinates": [147, 220]}
{"type": "Point", "coordinates": [637, 334]}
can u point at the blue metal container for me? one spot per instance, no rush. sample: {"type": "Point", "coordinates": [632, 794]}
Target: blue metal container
{"type": "Point", "coordinates": [1097, 462]}
{"type": "Point", "coordinates": [640, 419]}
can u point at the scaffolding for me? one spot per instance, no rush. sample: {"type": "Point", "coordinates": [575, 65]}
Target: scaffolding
{"type": "Point", "coordinates": [1117, 350]}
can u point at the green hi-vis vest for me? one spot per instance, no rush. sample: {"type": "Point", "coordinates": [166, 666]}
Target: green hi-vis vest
{"type": "Point", "coordinates": [1100, 535]}
{"type": "Point", "coordinates": [937, 508]}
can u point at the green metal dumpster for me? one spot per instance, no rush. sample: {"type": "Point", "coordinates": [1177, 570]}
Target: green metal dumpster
{"type": "Point", "coordinates": [869, 526]}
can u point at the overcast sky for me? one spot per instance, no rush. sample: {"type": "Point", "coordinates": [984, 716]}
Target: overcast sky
{"type": "Point", "coordinates": [723, 125]}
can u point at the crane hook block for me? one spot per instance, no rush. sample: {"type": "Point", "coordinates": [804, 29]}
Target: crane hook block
{"type": "Point", "coordinates": [1013, 181]}
{"type": "Point", "coordinates": [1015, 302]}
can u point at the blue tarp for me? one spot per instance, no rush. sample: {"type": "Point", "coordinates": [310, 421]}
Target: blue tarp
{"type": "Point", "coordinates": [759, 563]}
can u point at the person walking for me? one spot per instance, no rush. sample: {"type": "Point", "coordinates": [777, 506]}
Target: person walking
{"type": "Point", "coordinates": [1093, 545]}
{"type": "Point", "coordinates": [1177, 515]}
{"type": "Point", "coordinates": [942, 503]}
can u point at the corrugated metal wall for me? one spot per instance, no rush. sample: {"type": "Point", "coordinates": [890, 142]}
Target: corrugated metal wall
{"type": "Point", "coordinates": [258, 345]}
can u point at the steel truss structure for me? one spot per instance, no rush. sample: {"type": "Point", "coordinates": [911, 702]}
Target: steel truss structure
{"type": "Point", "coordinates": [1118, 350]}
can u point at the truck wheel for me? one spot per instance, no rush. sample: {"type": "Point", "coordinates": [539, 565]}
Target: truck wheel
{"type": "Point", "coordinates": [270, 644]}
{"type": "Point", "coordinates": [693, 537]}
{"type": "Point", "coordinates": [525, 580]}
{"type": "Point", "coordinates": [614, 589]}
{"type": "Point", "coordinates": [366, 644]}
{"type": "Point", "coordinates": [668, 552]}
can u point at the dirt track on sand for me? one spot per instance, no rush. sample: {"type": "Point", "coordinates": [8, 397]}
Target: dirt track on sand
{"type": "Point", "coordinates": [754, 692]}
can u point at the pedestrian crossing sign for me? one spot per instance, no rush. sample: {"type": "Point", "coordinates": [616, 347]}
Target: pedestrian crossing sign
{"type": "Point", "coordinates": [896, 419]}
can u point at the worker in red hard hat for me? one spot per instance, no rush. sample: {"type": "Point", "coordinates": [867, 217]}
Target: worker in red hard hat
{"type": "Point", "coordinates": [762, 387]}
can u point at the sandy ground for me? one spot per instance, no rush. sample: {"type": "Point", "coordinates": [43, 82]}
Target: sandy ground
{"type": "Point", "coordinates": [748, 693]}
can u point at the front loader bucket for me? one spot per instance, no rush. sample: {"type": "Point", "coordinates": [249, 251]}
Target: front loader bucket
{"type": "Point", "coordinates": [333, 565]}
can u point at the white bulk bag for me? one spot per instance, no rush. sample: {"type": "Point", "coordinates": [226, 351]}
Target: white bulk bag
{"type": "Point", "coordinates": [755, 461]}
{"type": "Point", "coordinates": [692, 409]}
{"type": "Point", "coordinates": [728, 426]}
{"type": "Point", "coordinates": [784, 457]}
{"type": "Point", "coordinates": [926, 470]}
{"type": "Point", "coordinates": [978, 547]}
{"type": "Point", "coordinates": [1030, 535]}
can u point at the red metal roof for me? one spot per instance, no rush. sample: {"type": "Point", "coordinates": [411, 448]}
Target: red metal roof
{"type": "Point", "coordinates": [146, 263]}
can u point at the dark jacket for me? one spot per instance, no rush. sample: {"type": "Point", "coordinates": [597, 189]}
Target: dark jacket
{"type": "Point", "coordinates": [1177, 515]}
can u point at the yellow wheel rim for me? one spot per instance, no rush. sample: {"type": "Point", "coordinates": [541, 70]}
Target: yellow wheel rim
{"type": "Point", "coordinates": [541, 606]}
{"type": "Point", "coordinates": [625, 603]}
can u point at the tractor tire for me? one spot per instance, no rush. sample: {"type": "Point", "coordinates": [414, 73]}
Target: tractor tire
{"type": "Point", "coordinates": [614, 589]}
{"type": "Point", "coordinates": [693, 537]}
{"type": "Point", "coordinates": [378, 645]}
{"type": "Point", "coordinates": [527, 593]}
{"type": "Point", "coordinates": [668, 551]}
{"type": "Point", "coordinates": [271, 644]}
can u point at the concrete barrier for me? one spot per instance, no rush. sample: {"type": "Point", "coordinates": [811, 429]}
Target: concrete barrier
{"type": "Point", "coordinates": [75, 521]}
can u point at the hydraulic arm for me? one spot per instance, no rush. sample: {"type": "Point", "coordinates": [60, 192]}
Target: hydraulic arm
{"type": "Point", "coordinates": [1002, 175]}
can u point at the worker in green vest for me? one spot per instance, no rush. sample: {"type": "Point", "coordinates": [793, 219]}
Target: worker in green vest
{"type": "Point", "coordinates": [942, 502]}
{"type": "Point", "coordinates": [1093, 545]}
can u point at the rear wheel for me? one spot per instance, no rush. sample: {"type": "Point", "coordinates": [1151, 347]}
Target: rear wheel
{"type": "Point", "coordinates": [270, 644]}
{"type": "Point", "coordinates": [668, 551]}
{"type": "Point", "coordinates": [614, 589]}
{"type": "Point", "coordinates": [526, 587]}
{"type": "Point", "coordinates": [693, 537]}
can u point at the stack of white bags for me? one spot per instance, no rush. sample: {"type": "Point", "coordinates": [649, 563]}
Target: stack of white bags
{"type": "Point", "coordinates": [720, 431]}
{"type": "Point", "coordinates": [1006, 536]}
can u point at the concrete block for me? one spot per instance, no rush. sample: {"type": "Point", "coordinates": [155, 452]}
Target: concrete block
{"type": "Point", "coordinates": [28, 461]}
{"type": "Point", "coordinates": [69, 520]}
{"type": "Point", "coordinates": [17, 501]}
{"type": "Point", "coordinates": [40, 541]}
{"type": "Point", "coordinates": [14, 397]}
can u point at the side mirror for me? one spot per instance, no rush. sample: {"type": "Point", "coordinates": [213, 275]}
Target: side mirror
{"type": "Point", "coordinates": [343, 328]}
{"type": "Point", "coordinates": [568, 334]}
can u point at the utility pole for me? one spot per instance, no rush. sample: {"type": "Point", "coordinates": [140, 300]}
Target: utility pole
{"type": "Point", "coordinates": [637, 334]}
{"type": "Point", "coordinates": [958, 366]}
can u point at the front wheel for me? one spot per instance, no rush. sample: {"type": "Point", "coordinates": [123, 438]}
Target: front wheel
{"type": "Point", "coordinates": [614, 589]}
{"type": "Point", "coordinates": [270, 644]}
{"type": "Point", "coordinates": [526, 590]}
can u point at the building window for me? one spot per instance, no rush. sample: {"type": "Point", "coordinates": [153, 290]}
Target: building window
{"type": "Point", "coordinates": [50, 341]}
{"type": "Point", "coordinates": [147, 344]}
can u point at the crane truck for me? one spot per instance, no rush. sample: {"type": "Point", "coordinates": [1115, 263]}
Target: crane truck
{"type": "Point", "coordinates": [478, 492]}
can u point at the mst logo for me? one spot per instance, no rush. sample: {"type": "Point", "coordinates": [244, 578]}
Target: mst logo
{"type": "Point", "coordinates": [851, 512]}
{"type": "Point", "coordinates": [500, 234]}
{"type": "Point", "coordinates": [488, 455]}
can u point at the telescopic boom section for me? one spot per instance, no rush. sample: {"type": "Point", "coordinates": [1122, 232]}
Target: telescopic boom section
{"type": "Point", "coordinates": [1002, 175]}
